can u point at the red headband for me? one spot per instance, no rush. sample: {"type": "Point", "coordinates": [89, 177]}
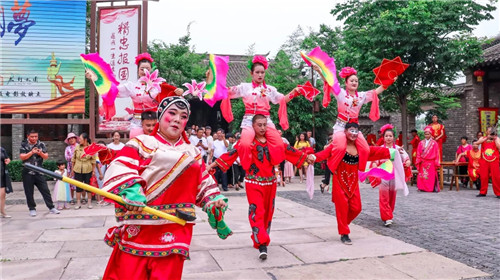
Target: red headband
{"type": "Point", "coordinates": [347, 71]}
{"type": "Point", "coordinates": [143, 56]}
{"type": "Point", "coordinates": [260, 59]}
{"type": "Point", "coordinates": [386, 127]}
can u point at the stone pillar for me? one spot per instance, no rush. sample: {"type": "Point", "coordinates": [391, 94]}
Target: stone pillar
{"type": "Point", "coordinates": [17, 136]}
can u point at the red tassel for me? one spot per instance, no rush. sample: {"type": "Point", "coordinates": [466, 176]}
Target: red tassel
{"type": "Point", "coordinates": [327, 89]}
{"type": "Point", "coordinates": [227, 112]}
{"type": "Point", "coordinates": [283, 115]}
{"type": "Point", "coordinates": [374, 110]}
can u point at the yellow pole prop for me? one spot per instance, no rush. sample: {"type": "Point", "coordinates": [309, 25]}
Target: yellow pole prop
{"type": "Point", "coordinates": [104, 193]}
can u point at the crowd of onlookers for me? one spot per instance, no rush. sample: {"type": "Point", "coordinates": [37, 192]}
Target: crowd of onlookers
{"type": "Point", "coordinates": [88, 169]}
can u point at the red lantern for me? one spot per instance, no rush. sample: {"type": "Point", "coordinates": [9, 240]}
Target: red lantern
{"type": "Point", "coordinates": [479, 74]}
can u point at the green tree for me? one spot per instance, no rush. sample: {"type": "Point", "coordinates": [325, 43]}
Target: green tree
{"type": "Point", "coordinates": [434, 37]}
{"type": "Point", "coordinates": [178, 63]}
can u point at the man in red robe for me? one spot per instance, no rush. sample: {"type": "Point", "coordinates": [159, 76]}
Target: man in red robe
{"type": "Point", "coordinates": [345, 183]}
{"type": "Point", "coordinates": [489, 162]}
{"type": "Point", "coordinates": [260, 182]}
{"type": "Point", "coordinates": [414, 145]}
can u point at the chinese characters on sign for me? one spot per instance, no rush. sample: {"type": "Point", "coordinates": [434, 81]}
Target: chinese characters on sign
{"type": "Point", "coordinates": [20, 21]}
{"type": "Point", "coordinates": [119, 30]}
{"type": "Point", "coordinates": [487, 117]}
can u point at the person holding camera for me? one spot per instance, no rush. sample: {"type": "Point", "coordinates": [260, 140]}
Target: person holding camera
{"type": "Point", "coordinates": [489, 162]}
{"type": "Point", "coordinates": [34, 152]}
{"type": "Point", "coordinates": [200, 142]}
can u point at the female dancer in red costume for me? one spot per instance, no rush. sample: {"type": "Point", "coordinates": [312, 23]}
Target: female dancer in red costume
{"type": "Point", "coordinates": [388, 189]}
{"type": "Point", "coordinates": [349, 102]}
{"type": "Point", "coordinates": [256, 96]}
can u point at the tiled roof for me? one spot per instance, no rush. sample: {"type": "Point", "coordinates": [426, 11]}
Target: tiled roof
{"type": "Point", "coordinates": [458, 89]}
{"type": "Point", "coordinates": [491, 53]}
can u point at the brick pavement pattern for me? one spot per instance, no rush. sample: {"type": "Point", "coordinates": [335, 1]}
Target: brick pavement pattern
{"type": "Point", "coordinates": [457, 225]}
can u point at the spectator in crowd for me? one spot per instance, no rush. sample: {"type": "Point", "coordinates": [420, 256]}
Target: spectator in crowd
{"type": "Point", "coordinates": [233, 172]}
{"type": "Point", "coordinates": [312, 141]}
{"type": "Point", "coordinates": [200, 142]}
{"type": "Point", "coordinates": [6, 186]}
{"type": "Point", "coordinates": [210, 143]}
{"type": "Point", "coordinates": [220, 148]}
{"type": "Point", "coordinates": [282, 164]}
{"type": "Point", "coordinates": [34, 152]}
{"type": "Point", "coordinates": [102, 167]}
{"type": "Point", "coordinates": [61, 189]}
{"type": "Point", "coordinates": [68, 155]}
{"type": "Point", "coordinates": [84, 168]}
{"type": "Point", "coordinates": [414, 145]}
{"type": "Point", "coordinates": [116, 144]}
{"type": "Point", "coordinates": [301, 145]}
{"type": "Point", "coordinates": [462, 150]}
{"type": "Point", "coordinates": [148, 122]}
{"type": "Point", "coordinates": [189, 131]}
{"type": "Point", "coordinates": [326, 180]}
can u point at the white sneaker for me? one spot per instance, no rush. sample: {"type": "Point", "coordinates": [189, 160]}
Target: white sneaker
{"type": "Point", "coordinates": [388, 223]}
{"type": "Point", "coordinates": [32, 213]}
{"type": "Point", "coordinates": [54, 211]}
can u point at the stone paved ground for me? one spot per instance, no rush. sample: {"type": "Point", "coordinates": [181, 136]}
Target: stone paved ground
{"type": "Point", "coordinates": [457, 225]}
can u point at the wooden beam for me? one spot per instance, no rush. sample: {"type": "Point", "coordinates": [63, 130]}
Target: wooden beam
{"type": "Point", "coordinates": [144, 43]}
{"type": "Point", "coordinates": [92, 101]}
{"type": "Point", "coordinates": [44, 121]}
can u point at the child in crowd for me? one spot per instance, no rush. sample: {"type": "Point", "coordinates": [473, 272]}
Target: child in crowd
{"type": "Point", "coordinates": [61, 191]}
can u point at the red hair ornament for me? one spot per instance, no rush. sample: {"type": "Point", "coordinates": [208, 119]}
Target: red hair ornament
{"type": "Point", "coordinates": [143, 56]}
{"type": "Point", "coordinates": [260, 59]}
{"type": "Point", "coordinates": [347, 71]}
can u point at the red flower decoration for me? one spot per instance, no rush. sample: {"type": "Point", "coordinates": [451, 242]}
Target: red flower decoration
{"type": "Point", "coordinates": [260, 59]}
{"type": "Point", "coordinates": [308, 91]}
{"type": "Point", "coordinates": [142, 56]}
{"type": "Point", "coordinates": [347, 71]}
{"type": "Point", "coordinates": [388, 71]}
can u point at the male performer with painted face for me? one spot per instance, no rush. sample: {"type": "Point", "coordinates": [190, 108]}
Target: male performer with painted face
{"type": "Point", "coordinates": [344, 164]}
{"type": "Point", "coordinates": [163, 171]}
{"type": "Point", "coordinates": [260, 181]}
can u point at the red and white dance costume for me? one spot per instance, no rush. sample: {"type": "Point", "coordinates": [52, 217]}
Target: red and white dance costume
{"type": "Point", "coordinates": [260, 185]}
{"type": "Point", "coordinates": [489, 166]}
{"type": "Point", "coordinates": [172, 177]}
{"type": "Point", "coordinates": [348, 107]}
{"type": "Point", "coordinates": [256, 99]}
{"type": "Point", "coordinates": [345, 183]}
{"type": "Point", "coordinates": [387, 189]}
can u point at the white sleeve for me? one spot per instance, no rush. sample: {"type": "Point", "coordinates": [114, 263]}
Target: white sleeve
{"type": "Point", "coordinates": [125, 89]}
{"type": "Point", "coordinates": [274, 96]}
